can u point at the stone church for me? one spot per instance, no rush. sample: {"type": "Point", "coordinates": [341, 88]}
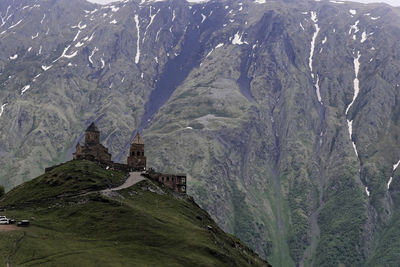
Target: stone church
{"type": "Point", "coordinates": [136, 161]}
{"type": "Point", "coordinates": [92, 149]}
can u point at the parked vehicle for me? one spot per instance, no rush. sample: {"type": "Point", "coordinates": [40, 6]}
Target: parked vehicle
{"type": "Point", "coordinates": [4, 221]}
{"type": "Point", "coordinates": [23, 223]}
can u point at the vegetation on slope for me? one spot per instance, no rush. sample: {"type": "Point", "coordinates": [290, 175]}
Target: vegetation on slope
{"type": "Point", "coordinates": [144, 225]}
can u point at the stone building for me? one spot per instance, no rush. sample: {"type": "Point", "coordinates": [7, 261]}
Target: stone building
{"type": "Point", "coordinates": [176, 182]}
{"type": "Point", "coordinates": [136, 159]}
{"type": "Point", "coordinates": [92, 149]}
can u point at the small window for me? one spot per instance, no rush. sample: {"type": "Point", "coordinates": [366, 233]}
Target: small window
{"type": "Point", "coordinates": [168, 179]}
{"type": "Point", "coordinates": [143, 154]}
{"type": "Point", "coordinates": [183, 188]}
{"type": "Point", "coordinates": [173, 179]}
{"type": "Point", "coordinates": [183, 180]}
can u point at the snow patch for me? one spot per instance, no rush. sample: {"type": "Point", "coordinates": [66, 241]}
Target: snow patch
{"type": "Point", "coordinates": [317, 90]}
{"type": "Point", "coordinates": [64, 54]}
{"type": "Point", "coordinates": [44, 16]}
{"type": "Point", "coordinates": [260, 1]}
{"type": "Point", "coordinates": [325, 39]}
{"type": "Point", "coordinates": [393, 170]}
{"type": "Point", "coordinates": [336, 2]}
{"type": "Point", "coordinates": [366, 191]}
{"type": "Point", "coordinates": [25, 88]}
{"type": "Point", "coordinates": [16, 24]}
{"type": "Point", "coordinates": [356, 81]}
{"type": "Point", "coordinates": [2, 109]}
{"type": "Point", "coordinates": [79, 26]}
{"type": "Point", "coordinates": [151, 21]}
{"type": "Point", "coordinates": [203, 17]}
{"type": "Point", "coordinates": [363, 37]}
{"type": "Point", "coordinates": [173, 15]}
{"type": "Point", "coordinates": [356, 91]}
{"type": "Point", "coordinates": [219, 45]}
{"type": "Point", "coordinates": [46, 67]}
{"type": "Point", "coordinates": [237, 39]}
{"type": "Point", "coordinates": [76, 36]}
{"type": "Point", "coordinates": [92, 54]}
{"type": "Point", "coordinates": [114, 8]}
{"type": "Point", "coordinates": [352, 11]}
{"type": "Point", "coordinates": [354, 27]}
{"type": "Point", "coordinates": [113, 22]}
{"type": "Point", "coordinates": [317, 29]}
{"type": "Point", "coordinates": [137, 57]}
{"type": "Point", "coordinates": [35, 36]}
{"type": "Point", "coordinates": [14, 57]}
{"type": "Point", "coordinates": [314, 18]}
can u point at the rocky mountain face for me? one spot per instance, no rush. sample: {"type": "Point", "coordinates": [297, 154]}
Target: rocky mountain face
{"type": "Point", "coordinates": [284, 114]}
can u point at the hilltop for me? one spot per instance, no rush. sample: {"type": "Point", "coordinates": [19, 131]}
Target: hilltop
{"type": "Point", "coordinates": [76, 221]}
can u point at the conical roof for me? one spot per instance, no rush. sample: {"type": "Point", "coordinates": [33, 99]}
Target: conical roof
{"type": "Point", "coordinates": [92, 128]}
{"type": "Point", "coordinates": [138, 140]}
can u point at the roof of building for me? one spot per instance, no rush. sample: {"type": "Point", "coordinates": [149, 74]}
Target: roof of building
{"type": "Point", "coordinates": [138, 140]}
{"type": "Point", "coordinates": [92, 128]}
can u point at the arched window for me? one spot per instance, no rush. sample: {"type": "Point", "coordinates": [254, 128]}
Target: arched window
{"type": "Point", "coordinates": [138, 153]}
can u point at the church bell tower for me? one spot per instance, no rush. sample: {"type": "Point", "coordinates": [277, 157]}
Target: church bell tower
{"type": "Point", "coordinates": [92, 135]}
{"type": "Point", "coordinates": [136, 158]}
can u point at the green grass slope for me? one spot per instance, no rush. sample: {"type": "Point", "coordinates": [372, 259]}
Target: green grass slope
{"type": "Point", "coordinates": [144, 225]}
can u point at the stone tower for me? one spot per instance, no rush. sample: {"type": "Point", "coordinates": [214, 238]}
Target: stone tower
{"type": "Point", "coordinates": [92, 149]}
{"type": "Point", "coordinates": [136, 158]}
{"type": "Point", "coordinates": [92, 136]}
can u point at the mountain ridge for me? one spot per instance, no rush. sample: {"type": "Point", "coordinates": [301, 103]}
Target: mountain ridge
{"type": "Point", "coordinates": [258, 119]}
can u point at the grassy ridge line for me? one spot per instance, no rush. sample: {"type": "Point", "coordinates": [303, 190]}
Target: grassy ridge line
{"type": "Point", "coordinates": [134, 227]}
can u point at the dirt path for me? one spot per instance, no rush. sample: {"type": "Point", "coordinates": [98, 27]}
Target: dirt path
{"type": "Point", "coordinates": [134, 178]}
{"type": "Point", "coordinates": [8, 228]}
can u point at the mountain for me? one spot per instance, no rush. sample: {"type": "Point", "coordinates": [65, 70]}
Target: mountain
{"type": "Point", "coordinates": [75, 223]}
{"type": "Point", "coordinates": [284, 114]}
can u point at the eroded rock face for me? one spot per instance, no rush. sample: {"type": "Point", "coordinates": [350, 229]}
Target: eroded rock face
{"type": "Point", "coordinates": [283, 114]}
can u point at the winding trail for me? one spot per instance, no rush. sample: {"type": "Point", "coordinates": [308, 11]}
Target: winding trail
{"type": "Point", "coordinates": [134, 178]}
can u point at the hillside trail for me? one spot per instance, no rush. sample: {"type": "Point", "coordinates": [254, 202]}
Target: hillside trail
{"type": "Point", "coordinates": [134, 178]}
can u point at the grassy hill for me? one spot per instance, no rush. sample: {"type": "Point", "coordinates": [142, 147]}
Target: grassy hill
{"type": "Point", "coordinates": [74, 224]}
